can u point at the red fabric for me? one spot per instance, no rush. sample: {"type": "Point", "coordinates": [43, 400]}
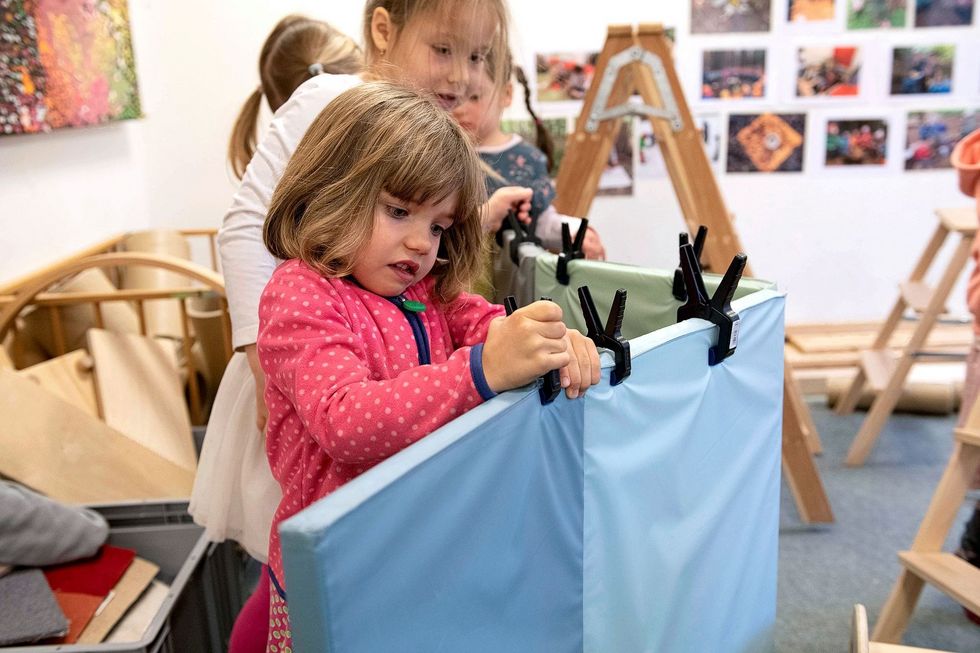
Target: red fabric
{"type": "Point", "coordinates": [344, 386]}
{"type": "Point", "coordinates": [78, 609]}
{"type": "Point", "coordinates": [96, 575]}
{"type": "Point", "coordinates": [251, 629]}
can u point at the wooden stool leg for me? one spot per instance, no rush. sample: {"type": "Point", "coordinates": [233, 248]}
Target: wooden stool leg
{"type": "Point", "coordinates": [898, 608]}
{"type": "Point", "coordinates": [881, 409]}
{"type": "Point", "coordinates": [799, 469]}
{"type": "Point", "coordinates": [795, 393]}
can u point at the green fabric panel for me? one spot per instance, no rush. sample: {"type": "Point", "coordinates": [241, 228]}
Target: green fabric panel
{"type": "Point", "coordinates": [650, 304]}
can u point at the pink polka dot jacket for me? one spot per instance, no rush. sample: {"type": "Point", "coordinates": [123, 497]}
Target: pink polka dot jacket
{"type": "Point", "coordinates": [346, 381]}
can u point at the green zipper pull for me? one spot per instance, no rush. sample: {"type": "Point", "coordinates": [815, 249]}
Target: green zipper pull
{"type": "Point", "coordinates": [414, 306]}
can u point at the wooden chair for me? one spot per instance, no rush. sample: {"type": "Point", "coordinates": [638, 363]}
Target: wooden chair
{"type": "Point", "coordinates": [860, 643]}
{"type": "Point", "coordinates": [34, 292]}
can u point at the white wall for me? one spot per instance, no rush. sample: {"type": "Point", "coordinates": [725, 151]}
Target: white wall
{"type": "Point", "coordinates": [837, 240]}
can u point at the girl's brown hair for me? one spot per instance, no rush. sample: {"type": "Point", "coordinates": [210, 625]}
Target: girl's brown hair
{"type": "Point", "coordinates": [288, 58]}
{"type": "Point", "coordinates": [377, 137]}
{"type": "Point", "coordinates": [403, 12]}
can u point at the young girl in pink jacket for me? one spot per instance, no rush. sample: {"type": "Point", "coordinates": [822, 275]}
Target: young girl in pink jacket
{"type": "Point", "coordinates": [366, 337]}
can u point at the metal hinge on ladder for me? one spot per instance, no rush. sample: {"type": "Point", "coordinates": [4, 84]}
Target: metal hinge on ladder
{"type": "Point", "coordinates": [635, 54]}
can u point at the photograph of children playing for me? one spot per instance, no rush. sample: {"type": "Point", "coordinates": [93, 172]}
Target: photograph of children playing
{"type": "Point", "coordinates": [922, 70]}
{"type": "Point", "coordinates": [732, 74]}
{"type": "Point", "coordinates": [931, 135]}
{"type": "Point", "coordinates": [942, 13]}
{"type": "Point", "coordinates": [828, 71]}
{"type": "Point", "coordinates": [856, 142]}
{"type": "Point", "coordinates": [725, 16]}
{"type": "Point", "coordinates": [810, 10]}
{"type": "Point", "coordinates": [564, 76]}
{"type": "Point", "coordinates": [875, 14]}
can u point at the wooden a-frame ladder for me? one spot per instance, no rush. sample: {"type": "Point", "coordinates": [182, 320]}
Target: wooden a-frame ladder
{"type": "Point", "coordinates": [639, 61]}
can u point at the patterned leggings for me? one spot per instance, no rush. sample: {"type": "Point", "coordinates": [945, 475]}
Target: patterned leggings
{"type": "Point", "coordinates": [280, 634]}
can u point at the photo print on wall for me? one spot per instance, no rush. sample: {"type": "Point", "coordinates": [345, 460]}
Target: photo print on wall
{"type": "Point", "coordinates": [927, 69]}
{"type": "Point", "coordinates": [556, 127]}
{"type": "Point", "coordinates": [943, 13]}
{"type": "Point", "coordinates": [564, 76]}
{"type": "Point", "coordinates": [617, 176]}
{"type": "Point", "coordinates": [810, 11]}
{"type": "Point", "coordinates": [726, 16]}
{"type": "Point", "coordinates": [876, 14]}
{"type": "Point", "coordinates": [650, 160]}
{"type": "Point", "coordinates": [857, 142]}
{"type": "Point", "coordinates": [767, 142]}
{"type": "Point", "coordinates": [830, 71]}
{"type": "Point", "coordinates": [931, 135]}
{"type": "Point", "coordinates": [733, 74]}
{"type": "Point", "coordinates": [65, 64]}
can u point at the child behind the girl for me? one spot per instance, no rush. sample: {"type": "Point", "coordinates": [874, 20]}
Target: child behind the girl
{"type": "Point", "coordinates": [367, 341]}
{"type": "Point", "coordinates": [515, 161]}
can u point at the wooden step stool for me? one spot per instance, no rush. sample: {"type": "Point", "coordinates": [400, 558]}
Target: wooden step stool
{"type": "Point", "coordinates": [861, 644]}
{"type": "Point", "coordinates": [882, 369]}
{"type": "Point", "coordinates": [926, 562]}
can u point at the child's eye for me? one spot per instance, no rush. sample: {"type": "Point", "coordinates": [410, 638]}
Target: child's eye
{"type": "Point", "coordinates": [438, 230]}
{"type": "Point", "coordinates": [478, 57]}
{"type": "Point", "coordinates": [396, 211]}
{"type": "Point", "coordinates": [442, 50]}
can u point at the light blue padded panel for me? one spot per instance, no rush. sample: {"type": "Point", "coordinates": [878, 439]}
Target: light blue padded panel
{"type": "Point", "coordinates": [682, 481]}
{"type": "Point", "coordinates": [499, 532]}
{"type": "Point", "coordinates": [470, 540]}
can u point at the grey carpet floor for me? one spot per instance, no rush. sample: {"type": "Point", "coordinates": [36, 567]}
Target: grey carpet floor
{"type": "Point", "coordinates": [824, 570]}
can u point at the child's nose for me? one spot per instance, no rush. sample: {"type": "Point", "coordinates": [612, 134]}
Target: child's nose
{"type": "Point", "coordinates": [459, 73]}
{"type": "Point", "coordinates": [419, 241]}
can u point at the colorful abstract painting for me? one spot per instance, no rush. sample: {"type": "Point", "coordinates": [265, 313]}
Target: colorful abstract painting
{"type": "Point", "coordinates": [65, 63]}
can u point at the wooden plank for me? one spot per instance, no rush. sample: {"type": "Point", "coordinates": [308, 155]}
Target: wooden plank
{"type": "Point", "coordinates": [69, 378]}
{"type": "Point", "coordinates": [948, 573]}
{"type": "Point", "coordinates": [942, 335]}
{"type": "Point", "coordinates": [86, 297]}
{"type": "Point", "coordinates": [970, 436]}
{"type": "Point", "coordinates": [881, 647]}
{"type": "Point", "coordinates": [798, 468]}
{"type": "Point", "coordinates": [879, 366]}
{"type": "Point", "coordinates": [141, 395]}
{"type": "Point", "coordinates": [962, 219]}
{"type": "Point", "coordinates": [134, 580]}
{"type": "Point", "coordinates": [68, 455]}
{"type": "Point", "coordinates": [917, 294]}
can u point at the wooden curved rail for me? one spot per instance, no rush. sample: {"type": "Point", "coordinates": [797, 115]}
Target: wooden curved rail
{"type": "Point", "coordinates": [25, 294]}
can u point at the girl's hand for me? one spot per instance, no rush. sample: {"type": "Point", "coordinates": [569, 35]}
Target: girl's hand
{"type": "Point", "coordinates": [261, 412]}
{"type": "Point", "coordinates": [583, 369]}
{"type": "Point", "coordinates": [592, 246]}
{"type": "Point", "coordinates": [525, 345]}
{"type": "Point", "coordinates": [508, 198]}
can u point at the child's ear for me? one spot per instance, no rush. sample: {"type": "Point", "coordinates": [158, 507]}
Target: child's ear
{"type": "Point", "coordinates": [508, 95]}
{"type": "Point", "coordinates": [382, 30]}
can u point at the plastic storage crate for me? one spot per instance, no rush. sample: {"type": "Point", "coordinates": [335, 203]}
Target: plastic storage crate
{"type": "Point", "coordinates": [205, 579]}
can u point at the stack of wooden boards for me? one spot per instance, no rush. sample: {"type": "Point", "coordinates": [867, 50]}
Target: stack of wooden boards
{"type": "Point", "coordinates": [825, 357]}
{"type": "Point", "coordinates": [103, 424]}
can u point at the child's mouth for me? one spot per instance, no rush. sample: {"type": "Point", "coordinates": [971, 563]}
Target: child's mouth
{"type": "Point", "coordinates": [405, 269]}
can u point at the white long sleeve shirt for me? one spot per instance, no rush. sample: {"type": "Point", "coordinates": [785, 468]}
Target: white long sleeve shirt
{"type": "Point", "coordinates": [246, 264]}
